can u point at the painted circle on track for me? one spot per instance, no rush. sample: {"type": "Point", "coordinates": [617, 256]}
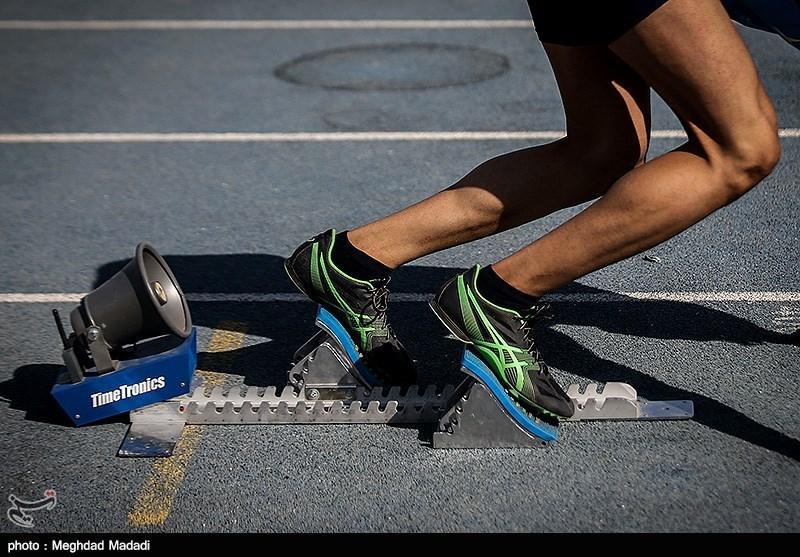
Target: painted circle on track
{"type": "Point", "coordinates": [394, 67]}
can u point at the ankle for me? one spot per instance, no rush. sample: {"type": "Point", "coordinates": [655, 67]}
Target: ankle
{"type": "Point", "coordinates": [356, 262]}
{"type": "Point", "coordinates": [500, 292]}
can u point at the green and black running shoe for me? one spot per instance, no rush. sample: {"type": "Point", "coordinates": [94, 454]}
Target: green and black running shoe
{"type": "Point", "coordinates": [359, 305]}
{"type": "Point", "coordinates": [503, 339]}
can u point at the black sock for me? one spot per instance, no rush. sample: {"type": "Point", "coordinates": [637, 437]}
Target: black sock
{"type": "Point", "coordinates": [355, 262]}
{"type": "Point", "coordinates": [499, 292]}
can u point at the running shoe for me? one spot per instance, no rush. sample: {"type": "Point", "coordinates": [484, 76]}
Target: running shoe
{"type": "Point", "coordinates": [359, 305]}
{"type": "Point", "coordinates": [503, 340]}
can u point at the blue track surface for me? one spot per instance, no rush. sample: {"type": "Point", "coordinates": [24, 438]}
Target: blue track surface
{"type": "Point", "coordinates": [225, 215]}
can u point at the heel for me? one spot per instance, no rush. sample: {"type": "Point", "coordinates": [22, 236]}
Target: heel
{"type": "Point", "coordinates": [287, 266]}
{"type": "Point", "coordinates": [449, 323]}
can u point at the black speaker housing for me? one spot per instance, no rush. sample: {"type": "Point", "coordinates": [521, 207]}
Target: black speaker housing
{"type": "Point", "coordinates": [143, 300]}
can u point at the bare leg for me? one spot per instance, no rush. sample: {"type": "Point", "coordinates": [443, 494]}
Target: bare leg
{"type": "Point", "coordinates": [607, 111]}
{"type": "Point", "coordinates": [690, 53]}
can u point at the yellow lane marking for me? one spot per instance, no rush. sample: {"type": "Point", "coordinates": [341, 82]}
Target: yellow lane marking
{"type": "Point", "coordinates": [155, 499]}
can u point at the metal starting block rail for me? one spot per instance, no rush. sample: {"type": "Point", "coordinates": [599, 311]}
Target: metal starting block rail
{"type": "Point", "coordinates": [326, 386]}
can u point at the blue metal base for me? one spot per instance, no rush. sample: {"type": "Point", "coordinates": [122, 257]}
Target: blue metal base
{"type": "Point", "coordinates": [334, 327]}
{"type": "Point", "coordinates": [473, 366]}
{"type": "Point", "coordinates": [163, 371]}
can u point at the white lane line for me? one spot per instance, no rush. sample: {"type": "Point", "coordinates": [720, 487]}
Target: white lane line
{"type": "Point", "coordinates": [259, 24]}
{"type": "Point", "coordinates": [745, 296]}
{"type": "Point", "coordinates": [278, 137]}
{"type": "Point", "coordinates": [268, 137]}
{"type": "Point", "coordinates": [52, 297]}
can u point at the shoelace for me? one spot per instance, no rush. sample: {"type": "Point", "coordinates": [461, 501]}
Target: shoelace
{"type": "Point", "coordinates": [379, 302]}
{"type": "Point", "coordinates": [538, 311]}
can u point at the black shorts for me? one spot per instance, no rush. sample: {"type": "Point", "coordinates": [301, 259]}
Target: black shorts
{"type": "Point", "coordinates": [587, 22]}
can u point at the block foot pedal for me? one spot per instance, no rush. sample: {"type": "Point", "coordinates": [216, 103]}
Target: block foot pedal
{"type": "Point", "coordinates": [329, 366]}
{"type": "Point", "coordinates": [484, 416]}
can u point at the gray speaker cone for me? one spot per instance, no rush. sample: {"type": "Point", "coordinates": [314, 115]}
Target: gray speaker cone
{"type": "Point", "coordinates": [141, 301]}
{"type": "Point", "coordinates": [164, 291]}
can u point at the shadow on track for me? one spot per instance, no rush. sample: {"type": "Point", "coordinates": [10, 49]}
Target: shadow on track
{"type": "Point", "coordinates": [285, 325]}
{"type": "Point", "coordinates": [29, 391]}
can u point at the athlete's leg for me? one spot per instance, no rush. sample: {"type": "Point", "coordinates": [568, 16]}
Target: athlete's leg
{"type": "Point", "coordinates": [688, 51]}
{"type": "Point", "coordinates": [607, 108]}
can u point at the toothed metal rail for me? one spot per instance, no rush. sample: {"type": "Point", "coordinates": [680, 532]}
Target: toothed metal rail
{"type": "Point", "coordinates": [155, 429]}
{"type": "Point", "coordinates": [254, 405]}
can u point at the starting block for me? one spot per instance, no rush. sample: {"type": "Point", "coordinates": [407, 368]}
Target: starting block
{"type": "Point", "coordinates": [329, 383]}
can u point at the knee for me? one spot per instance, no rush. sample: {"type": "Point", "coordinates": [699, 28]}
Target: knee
{"type": "Point", "coordinates": [749, 157]}
{"type": "Point", "coordinates": [608, 157]}
{"type": "Point", "coordinates": [618, 156]}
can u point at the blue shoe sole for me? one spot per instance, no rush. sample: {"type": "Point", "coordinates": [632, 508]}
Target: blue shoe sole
{"type": "Point", "coordinates": [475, 368]}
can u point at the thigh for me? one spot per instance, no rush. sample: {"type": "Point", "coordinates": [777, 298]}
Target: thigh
{"type": "Point", "coordinates": [691, 54]}
{"type": "Point", "coordinates": [606, 103]}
